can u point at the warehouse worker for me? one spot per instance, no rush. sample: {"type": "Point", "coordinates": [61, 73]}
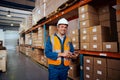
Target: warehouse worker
{"type": "Point", "coordinates": [59, 50]}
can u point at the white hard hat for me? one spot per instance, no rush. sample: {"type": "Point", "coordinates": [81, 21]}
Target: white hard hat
{"type": "Point", "coordinates": [62, 21]}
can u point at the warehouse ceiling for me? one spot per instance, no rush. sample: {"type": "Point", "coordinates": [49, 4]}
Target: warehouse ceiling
{"type": "Point", "coordinates": [18, 9]}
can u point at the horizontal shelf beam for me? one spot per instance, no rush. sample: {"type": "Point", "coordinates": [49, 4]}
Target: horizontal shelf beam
{"type": "Point", "coordinates": [105, 54]}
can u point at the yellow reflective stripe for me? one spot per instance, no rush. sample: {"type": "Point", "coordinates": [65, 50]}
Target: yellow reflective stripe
{"type": "Point", "coordinates": [52, 41]}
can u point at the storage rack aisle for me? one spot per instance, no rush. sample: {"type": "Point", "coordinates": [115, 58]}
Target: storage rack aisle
{"type": "Point", "coordinates": [97, 26]}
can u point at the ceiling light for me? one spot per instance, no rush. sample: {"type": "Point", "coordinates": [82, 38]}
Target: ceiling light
{"type": "Point", "coordinates": [8, 15]}
{"type": "Point", "coordinates": [11, 24]}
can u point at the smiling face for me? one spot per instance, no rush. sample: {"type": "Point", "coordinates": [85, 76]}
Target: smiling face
{"type": "Point", "coordinates": [62, 29]}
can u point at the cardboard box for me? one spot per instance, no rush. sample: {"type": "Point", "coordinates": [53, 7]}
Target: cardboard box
{"type": "Point", "coordinates": [88, 68]}
{"type": "Point", "coordinates": [88, 76]}
{"type": "Point", "coordinates": [88, 60]}
{"type": "Point", "coordinates": [75, 39]}
{"type": "Point", "coordinates": [74, 32]}
{"type": "Point", "coordinates": [100, 73]}
{"type": "Point", "coordinates": [73, 71]}
{"type": "Point", "coordinates": [88, 16]}
{"type": "Point", "coordinates": [98, 38]}
{"type": "Point", "coordinates": [104, 17]}
{"type": "Point", "coordinates": [76, 45]}
{"type": "Point", "coordinates": [99, 30]}
{"type": "Point", "coordinates": [105, 23]}
{"type": "Point", "coordinates": [118, 26]}
{"type": "Point", "coordinates": [85, 38]}
{"type": "Point", "coordinates": [88, 23]}
{"type": "Point", "coordinates": [52, 29]}
{"type": "Point", "coordinates": [104, 9]}
{"type": "Point", "coordinates": [84, 46]}
{"type": "Point", "coordinates": [87, 8]}
{"type": "Point", "coordinates": [100, 62]}
{"type": "Point", "coordinates": [110, 46]}
{"type": "Point", "coordinates": [96, 46]}
{"type": "Point", "coordinates": [113, 64]}
{"type": "Point", "coordinates": [85, 31]}
{"type": "Point", "coordinates": [113, 74]}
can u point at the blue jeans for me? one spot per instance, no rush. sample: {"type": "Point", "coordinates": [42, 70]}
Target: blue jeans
{"type": "Point", "coordinates": [56, 73]}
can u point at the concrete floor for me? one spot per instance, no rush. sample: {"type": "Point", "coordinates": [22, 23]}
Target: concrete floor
{"type": "Point", "coordinates": [20, 67]}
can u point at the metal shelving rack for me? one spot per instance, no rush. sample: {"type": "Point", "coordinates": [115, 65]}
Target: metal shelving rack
{"type": "Point", "coordinates": [66, 13]}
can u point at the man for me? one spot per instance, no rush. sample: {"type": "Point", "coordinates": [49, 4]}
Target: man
{"type": "Point", "coordinates": [59, 50]}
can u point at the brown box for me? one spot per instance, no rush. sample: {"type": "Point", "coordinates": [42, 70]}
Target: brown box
{"type": "Point", "coordinates": [88, 16]}
{"type": "Point", "coordinates": [87, 8]}
{"type": "Point", "coordinates": [85, 46]}
{"type": "Point", "coordinates": [100, 62]}
{"type": "Point", "coordinates": [96, 46]}
{"type": "Point", "coordinates": [104, 9]}
{"type": "Point", "coordinates": [99, 30]}
{"type": "Point", "coordinates": [75, 39]}
{"type": "Point", "coordinates": [88, 68]}
{"type": "Point", "coordinates": [76, 45]}
{"type": "Point", "coordinates": [118, 26]}
{"type": "Point", "coordinates": [88, 23]}
{"type": "Point", "coordinates": [113, 64]}
{"type": "Point", "coordinates": [88, 75]}
{"type": "Point", "coordinates": [110, 46]}
{"type": "Point", "coordinates": [85, 31]}
{"type": "Point", "coordinates": [85, 38]}
{"type": "Point", "coordinates": [105, 23]}
{"type": "Point", "coordinates": [74, 71]}
{"type": "Point", "coordinates": [98, 38]}
{"type": "Point", "coordinates": [52, 29]}
{"type": "Point", "coordinates": [74, 32]}
{"type": "Point", "coordinates": [100, 73]}
{"type": "Point", "coordinates": [104, 17]}
{"type": "Point", "coordinates": [88, 60]}
{"type": "Point", "coordinates": [113, 74]}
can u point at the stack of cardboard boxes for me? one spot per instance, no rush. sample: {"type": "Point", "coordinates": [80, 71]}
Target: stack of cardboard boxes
{"type": "Point", "coordinates": [96, 29]}
{"type": "Point", "coordinates": [74, 71]}
{"type": "Point", "coordinates": [88, 17]}
{"type": "Point", "coordinates": [40, 40]}
{"type": "Point", "coordinates": [3, 60]}
{"type": "Point", "coordinates": [73, 33]}
{"type": "Point", "coordinates": [96, 68]}
{"type": "Point", "coordinates": [34, 38]}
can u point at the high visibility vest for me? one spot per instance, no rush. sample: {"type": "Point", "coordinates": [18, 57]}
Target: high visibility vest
{"type": "Point", "coordinates": [56, 47]}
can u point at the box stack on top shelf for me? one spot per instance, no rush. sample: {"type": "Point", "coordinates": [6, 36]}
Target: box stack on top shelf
{"type": "Point", "coordinates": [118, 22]}
{"type": "Point", "coordinates": [52, 9]}
{"type": "Point", "coordinates": [96, 32]}
{"type": "Point", "coordinates": [39, 11]}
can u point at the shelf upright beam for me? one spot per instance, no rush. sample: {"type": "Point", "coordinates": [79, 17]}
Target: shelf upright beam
{"type": "Point", "coordinates": [44, 35]}
{"type": "Point", "coordinates": [81, 67]}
